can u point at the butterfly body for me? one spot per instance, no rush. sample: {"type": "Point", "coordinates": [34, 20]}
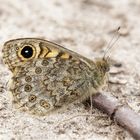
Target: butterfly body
{"type": "Point", "coordinates": [47, 76]}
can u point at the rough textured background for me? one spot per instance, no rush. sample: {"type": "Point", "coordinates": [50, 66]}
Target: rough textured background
{"type": "Point", "coordinates": [85, 26]}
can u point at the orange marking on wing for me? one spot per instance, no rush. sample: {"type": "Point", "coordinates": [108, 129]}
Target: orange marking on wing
{"type": "Point", "coordinates": [51, 54]}
{"type": "Point", "coordinates": [65, 56]}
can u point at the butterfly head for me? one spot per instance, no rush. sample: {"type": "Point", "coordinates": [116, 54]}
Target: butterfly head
{"type": "Point", "coordinates": [103, 65]}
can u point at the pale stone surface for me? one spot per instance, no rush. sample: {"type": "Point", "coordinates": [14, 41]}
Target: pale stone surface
{"type": "Point", "coordinates": [85, 26]}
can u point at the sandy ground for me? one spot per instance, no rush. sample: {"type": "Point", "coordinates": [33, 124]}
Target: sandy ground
{"type": "Point", "coordinates": [84, 26]}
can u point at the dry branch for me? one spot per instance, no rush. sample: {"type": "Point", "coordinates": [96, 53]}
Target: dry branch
{"type": "Point", "coordinates": [122, 114]}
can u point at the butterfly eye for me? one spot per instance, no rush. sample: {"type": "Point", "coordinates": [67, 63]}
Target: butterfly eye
{"type": "Point", "coordinates": [27, 51]}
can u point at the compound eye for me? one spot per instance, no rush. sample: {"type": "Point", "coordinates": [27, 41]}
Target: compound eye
{"type": "Point", "coordinates": [27, 51]}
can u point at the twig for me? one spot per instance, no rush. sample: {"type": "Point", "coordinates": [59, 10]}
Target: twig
{"type": "Point", "coordinates": [122, 114]}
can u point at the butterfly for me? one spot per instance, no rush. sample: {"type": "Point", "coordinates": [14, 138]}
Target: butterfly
{"type": "Point", "coordinates": [48, 77]}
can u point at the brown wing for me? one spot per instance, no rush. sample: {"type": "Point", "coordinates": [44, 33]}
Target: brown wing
{"type": "Point", "coordinates": [52, 79]}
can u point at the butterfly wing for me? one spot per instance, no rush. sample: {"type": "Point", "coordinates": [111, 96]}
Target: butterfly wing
{"type": "Point", "coordinates": [55, 78]}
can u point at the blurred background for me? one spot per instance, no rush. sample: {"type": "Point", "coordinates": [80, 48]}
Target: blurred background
{"type": "Point", "coordinates": [86, 27]}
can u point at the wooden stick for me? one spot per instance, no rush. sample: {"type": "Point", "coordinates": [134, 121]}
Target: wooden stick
{"type": "Point", "coordinates": [122, 114]}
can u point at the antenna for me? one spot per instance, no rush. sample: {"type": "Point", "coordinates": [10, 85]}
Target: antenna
{"type": "Point", "coordinates": [112, 42]}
